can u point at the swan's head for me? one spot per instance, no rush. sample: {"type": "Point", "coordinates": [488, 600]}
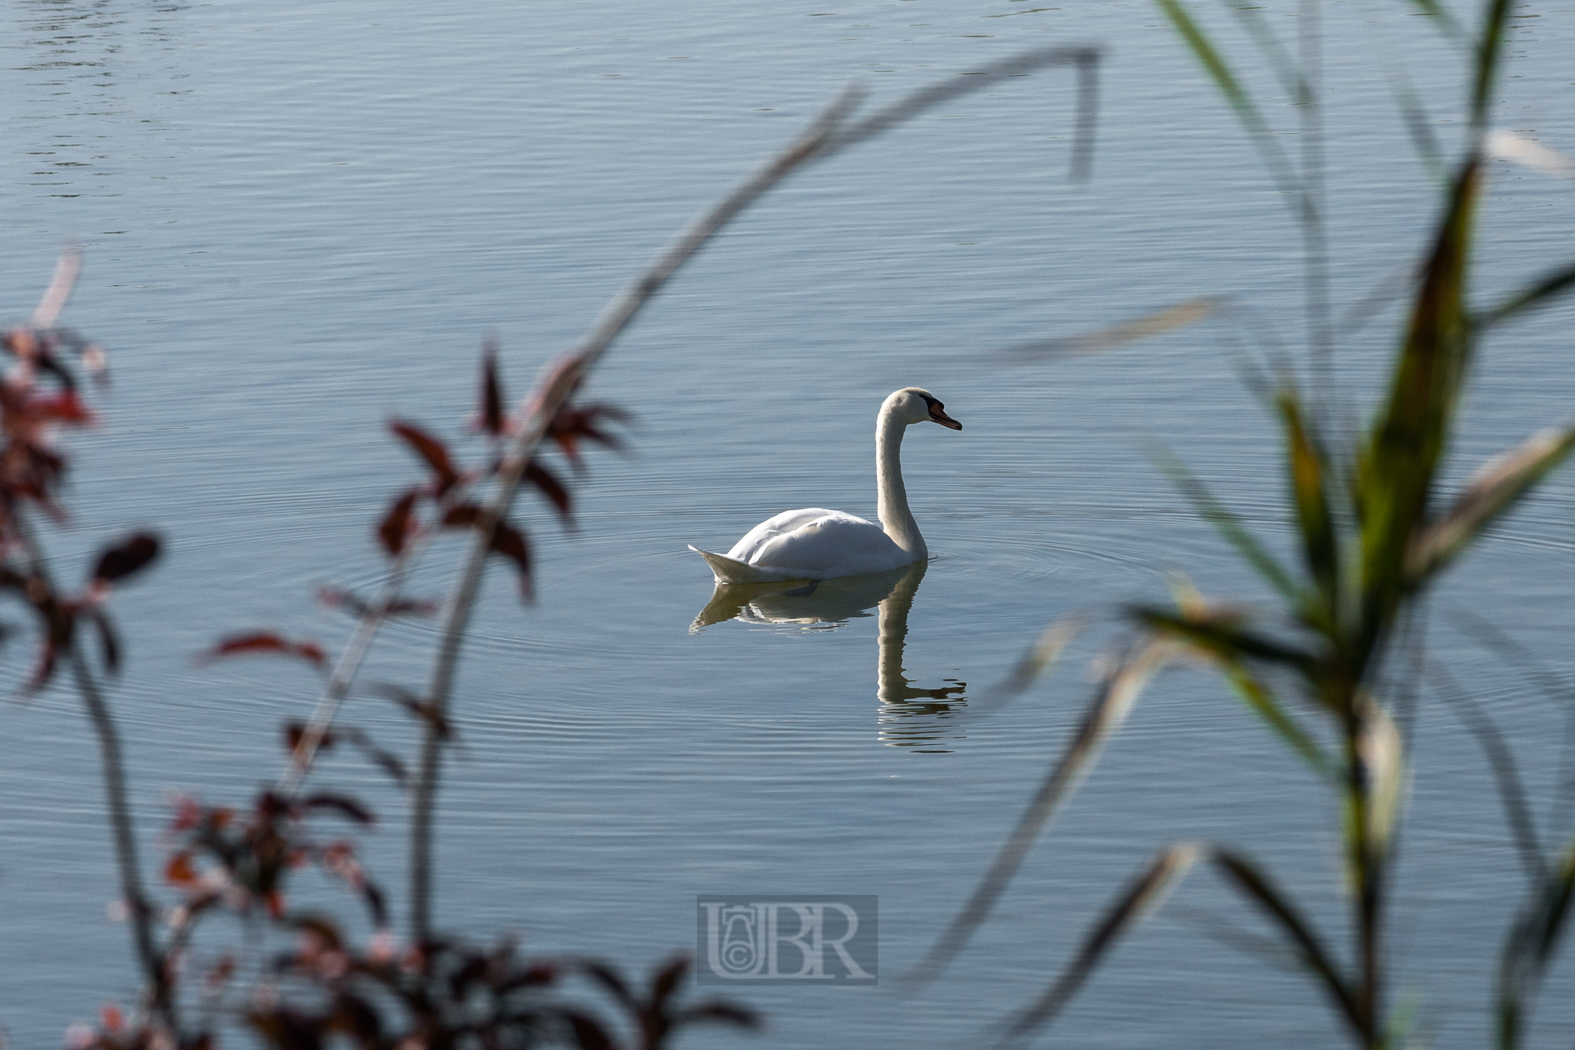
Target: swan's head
{"type": "Point", "coordinates": [913, 405]}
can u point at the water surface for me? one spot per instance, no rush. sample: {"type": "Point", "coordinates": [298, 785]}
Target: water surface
{"type": "Point", "coordinates": [300, 219]}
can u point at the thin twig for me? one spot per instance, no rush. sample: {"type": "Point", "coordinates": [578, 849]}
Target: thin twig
{"type": "Point", "coordinates": [345, 669]}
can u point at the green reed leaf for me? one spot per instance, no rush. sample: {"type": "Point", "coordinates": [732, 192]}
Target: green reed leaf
{"type": "Point", "coordinates": [1535, 294]}
{"type": "Point", "coordinates": [1229, 526]}
{"type": "Point", "coordinates": [1309, 473]}
{"type": "Point", "coordinates": [1256, 885]}
{"type": "Point", "coordinates": [1247, 111]}
{"type": "Point", "coordinates": [1109, 709]}
{"type": "Point", "coordinates": [1418, 126]}
{"type": "Point", "coordinates": [1111, 337]}
{"type": "Point", "coordinates": [1495, 487]}
{"type": "Point", "coordinates": [1530, 947]}
{"type": "Point", "coordinates": [1490, 47]}
{"type": "Point", "coordinates": [1400, 461]}
{"type": "Point", "coordinates": [1439, 13]}
{"type": "Point", "coordinates": [1261, 699]}
{"type": "Point", "coordinates": [1274, 53]}
{"type": "Point", "coordinates": [1506, 774]}
{"type": "Point", "coordinates": [1141, 898]}
{"type": "Point", "coordinates": [1220, 636]}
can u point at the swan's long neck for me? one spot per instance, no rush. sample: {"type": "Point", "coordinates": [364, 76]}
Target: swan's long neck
{"type": "Point", "coordinates": [895, 517]}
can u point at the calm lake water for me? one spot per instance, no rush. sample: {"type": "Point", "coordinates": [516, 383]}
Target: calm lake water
{"type": "Point", "coordinates": [302, 218]}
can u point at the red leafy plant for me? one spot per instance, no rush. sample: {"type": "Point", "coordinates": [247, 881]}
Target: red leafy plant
{"type": "Point", "coordinates": [429, 991]}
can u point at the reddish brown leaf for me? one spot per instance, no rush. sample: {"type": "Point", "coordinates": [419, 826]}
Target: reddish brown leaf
{"type": "Point", "coordinates": [511, 544]}
{"type": "Point", "coordinates": [666, 980]}
{"type": "Point", "coordinates": [294, 732]}
{"type": "Point", "coordinates": [265, 643]}
{"type": "Point", "coordinates": [179, 872]}
{"type": "Point", "coordinates": [613, 982]}
{"type": "Point", "coordinates": [491, 390]}
{"type": "Point", "coordinates": [587, 1033]}
{"type": "Point", "coordinates": [343, 803]}
{"type": "Point", "coordinates": [126, 557]}
{"type": "Point", "coordinates": [430, 449]}
{"type": "Point", "coordinates": [412, 607]}
{"type": "Point", "coordinates": [64, 407]}
{"type": "Point", "coordinates": [339, 598]}
{"type": "Point", "coordinates": [719, 1011]}
{"type": "Point", "coordinates": [394, 530]}
{"type": "Point", "coordinates": [355, 605]}
{"type": "Point", "coordinates": [549, 486]}
{"type": "Point", "coordinates": [506, 540]}
{"type": "Point", "coordinates": [572, 424]}
{"type": "Point", "coordinates": [44, 670]}
{"type": "Point", "coordinates": [422, 709]}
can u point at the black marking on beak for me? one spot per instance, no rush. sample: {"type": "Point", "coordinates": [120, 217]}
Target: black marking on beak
{"type": "Point", "coordinates": [938, 415]}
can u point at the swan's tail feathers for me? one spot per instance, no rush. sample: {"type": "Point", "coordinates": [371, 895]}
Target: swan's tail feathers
{"type": "Point", "coordinates": [730, 570]}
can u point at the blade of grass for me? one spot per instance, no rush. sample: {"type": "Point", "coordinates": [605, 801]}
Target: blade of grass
{"type": "Point", "coordinates": [1490, 47]}
{"type": "Point", "coordinates": [1309, 469]}
{"type": "Point", "coordinates": [1178, 315]}
{"type": "Point", "coordinates": [1261, 890]}
{"type": "Point", "coordinates": [1516, 657]}
{"type": "Point", "coordinates": [1357, 315]}
{"type": "Point", "coordinates": [1270, 951]}
{"type": "Point", "coordinates": [1140, 899]}
{"type": "Point", "coordinates": [1110, 707]}
{"type": "Point", "coordinates": [1261, 700]}
{"type": "Point", "coordinates": [1536, 294]}
{"type": "Point", "coordinates": [1396, 472]}
{"type": "Point", "coordinates": [1506, 776]}
{"type": "Point", "coordinates": [67, 267]}
{"type": "Point", "coordinates": [1439, 13]}
{"type": "Point", "coordinates": [1257, 26]}
{"type": "Point", "coordinates": [1530, 947]}
{"type": "Point", "coordinates": [1228, 525]}
{"type": "Point", "coordinates": [1258, 130]}
{"type": "Point", "coordinates": [1219, 637]}
{"type": "Point", "coordinates": [1033, 663]}
{"type": "Point", "coordinates": [1417, 124]}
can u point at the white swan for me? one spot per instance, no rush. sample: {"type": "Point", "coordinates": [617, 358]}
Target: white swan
{"type": "Point", "coordinates": [816, 544]}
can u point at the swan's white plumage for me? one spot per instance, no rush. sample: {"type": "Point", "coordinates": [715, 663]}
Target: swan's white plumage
{"type": "Point", "coordinates": [819, 544]}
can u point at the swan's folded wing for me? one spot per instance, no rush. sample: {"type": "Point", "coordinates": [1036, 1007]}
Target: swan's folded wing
{"type": "Point", "coordinates": [830, 546]}
{"type": "Point", "coordinates": [730, 570]}
{"type": "Point", "coordinates": [747, 550]}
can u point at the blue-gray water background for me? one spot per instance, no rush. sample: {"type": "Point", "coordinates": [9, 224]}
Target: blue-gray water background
{"type": "Point", "coordinates": [301, 218]}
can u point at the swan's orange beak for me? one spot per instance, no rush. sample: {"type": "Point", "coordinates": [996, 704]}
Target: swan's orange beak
{"type": "Point", "coordinates": [939, 416]}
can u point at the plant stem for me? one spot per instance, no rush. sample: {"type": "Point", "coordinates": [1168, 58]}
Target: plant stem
{"type": "Point", "coordinates": [1315, 259]}
{"type": "Point", "coordinates": [140, 911]}
{"type": "Point", "coordinates": [1365, 877]}
{"type": "Point", "coordinates": [118, 798]}
{"type": "Point", "coordinates": [350, 660]}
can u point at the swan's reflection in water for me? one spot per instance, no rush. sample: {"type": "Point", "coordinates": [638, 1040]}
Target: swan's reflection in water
{"type": "Point", "coordinates": [909, 715]}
